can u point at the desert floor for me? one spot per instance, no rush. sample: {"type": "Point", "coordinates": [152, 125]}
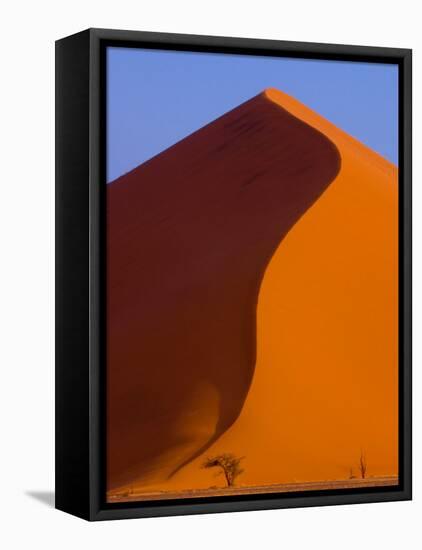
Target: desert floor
{"type": "Point", "coordinates": [357, 483]}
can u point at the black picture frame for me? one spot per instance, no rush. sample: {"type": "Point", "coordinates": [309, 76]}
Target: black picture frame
{"type": "Point", "coordinates": [80, 288]}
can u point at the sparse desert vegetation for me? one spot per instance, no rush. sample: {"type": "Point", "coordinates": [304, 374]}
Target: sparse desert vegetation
{"type": "Point", "coordinates": [229, 465]}
{"type": "Point", "coordinates": [362, 465]}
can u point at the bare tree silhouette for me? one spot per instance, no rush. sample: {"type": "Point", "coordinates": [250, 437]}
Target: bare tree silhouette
{"type": "Point", "coordinates": [229, 464]}
{"type": "Point", "coordinates": [362, 465]}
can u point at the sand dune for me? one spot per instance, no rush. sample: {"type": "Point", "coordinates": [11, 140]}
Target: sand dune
{"type": "Point", "coordinates": [326, 380]}
{"type": "Point", "coordinates": [190, 236]}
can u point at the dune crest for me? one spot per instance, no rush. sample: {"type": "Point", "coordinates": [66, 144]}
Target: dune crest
{"type": "Point", "coordinates": [337, 135]}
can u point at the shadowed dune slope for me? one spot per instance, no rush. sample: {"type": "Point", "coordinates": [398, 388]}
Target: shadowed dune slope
{"type": "Point", "coordinates": [189, 236]}
{"type": "Point", "coordinates": [326, 379]}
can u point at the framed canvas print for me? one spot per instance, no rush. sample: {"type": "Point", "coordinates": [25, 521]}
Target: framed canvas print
{"type": "Point", "coordinates": [233, 274]}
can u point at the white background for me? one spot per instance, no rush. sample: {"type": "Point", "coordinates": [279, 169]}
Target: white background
{"type": "Point", "coordinates": [27, 37]}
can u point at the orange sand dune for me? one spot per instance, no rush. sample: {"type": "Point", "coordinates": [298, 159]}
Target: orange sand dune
{"type": "Point", "coordinates": [189, 236]}
{"type": "Point", "coordinates": [325, 385]}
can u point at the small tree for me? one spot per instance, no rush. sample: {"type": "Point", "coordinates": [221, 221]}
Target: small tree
{"type": "Point", "coordinates": [229, 464]}
{"type": "Point", "coordinates": [362, 465]}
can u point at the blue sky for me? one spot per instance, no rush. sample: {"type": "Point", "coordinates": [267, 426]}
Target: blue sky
{"type": "Point", "coordinates": [155, 98]}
